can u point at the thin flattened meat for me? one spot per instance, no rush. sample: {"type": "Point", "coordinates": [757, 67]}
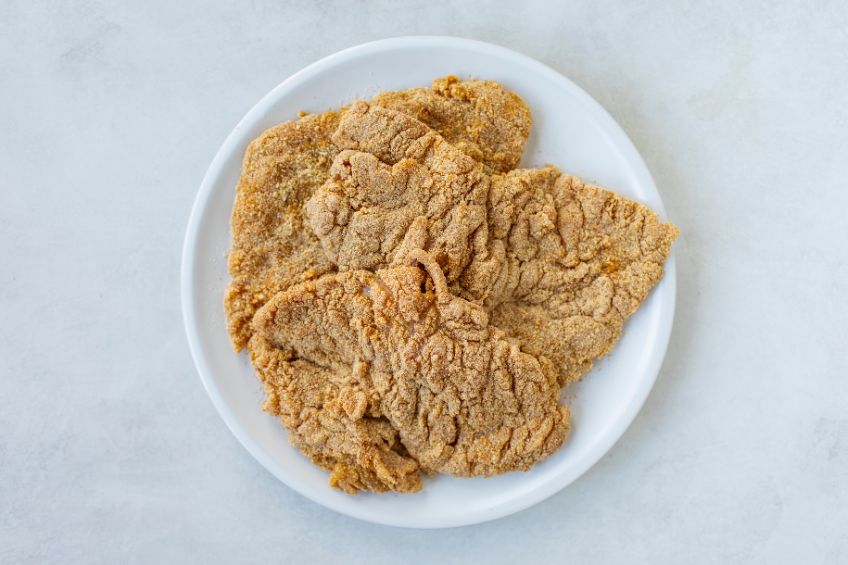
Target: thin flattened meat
{"type": "Point", "coordinates": [274, 249]}
{"type": "Point", "coordinates": [491, 124]}
{"type": "Point", "coordinates": [560, 264]}
{"type": "Point", "coordinates": [463, 398]}
{"type": "Point", "coordinates": [333, 417]}
{"type": "Point", "coordinates": [411, 303]}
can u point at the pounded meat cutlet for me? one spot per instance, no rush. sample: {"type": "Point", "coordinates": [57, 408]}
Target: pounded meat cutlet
{"type": "Point", "coordinates": [577, 262]}
{"type": "Point", "coordinates": [463, 399]}
{"type": "Point", "coordinates": [403, 188]}
{"type": "Point", "coordinates": [493, 134]}
{"type": "Point", "coordinates": [273, 249]}
{"type": "Point", "coordinates": [387, 370]}
{"type": "Point", "coordinates": [333, 417]}
{"type": "Point", "coordinates": [560, 264]}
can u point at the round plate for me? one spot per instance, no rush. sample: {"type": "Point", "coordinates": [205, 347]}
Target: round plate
{"type": "Point", "coordinates": [571, 131]}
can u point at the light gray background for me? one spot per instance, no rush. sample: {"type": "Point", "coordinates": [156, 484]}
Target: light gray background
{"type": "Point", "coordinates": [110, 450]}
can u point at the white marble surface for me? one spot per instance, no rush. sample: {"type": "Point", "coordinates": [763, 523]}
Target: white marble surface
{"type": "Point", "coordinates": [110, 450]}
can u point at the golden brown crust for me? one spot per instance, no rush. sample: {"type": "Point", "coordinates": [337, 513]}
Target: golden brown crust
{"type": "Point", "coordinates": [560, 264]}
{"type": "Point", "coordinates": [463, 399]}
{"type": "Point", "coordinates": [579, 261]}
{"type": "Point", "coordinates": [466, 294]}
{"type": "Point", "coordinates": [329, 419]}
{"type": "Point", "coordinates": [393, 170]}
{"type": "Point", "coordinates": [493, 133]}
{"type": "Point", "coordinates": [273, 249]}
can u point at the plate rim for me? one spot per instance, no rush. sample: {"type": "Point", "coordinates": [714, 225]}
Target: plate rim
{"type": "Point", "coordinates": [621, 142]}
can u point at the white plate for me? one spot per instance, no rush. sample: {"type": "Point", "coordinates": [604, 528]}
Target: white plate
{"type": "Point", "coordinates": [570, 130]}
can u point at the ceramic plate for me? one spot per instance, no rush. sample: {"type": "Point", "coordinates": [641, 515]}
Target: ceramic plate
{"type": "Point", "coordinates": [571, 131]}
